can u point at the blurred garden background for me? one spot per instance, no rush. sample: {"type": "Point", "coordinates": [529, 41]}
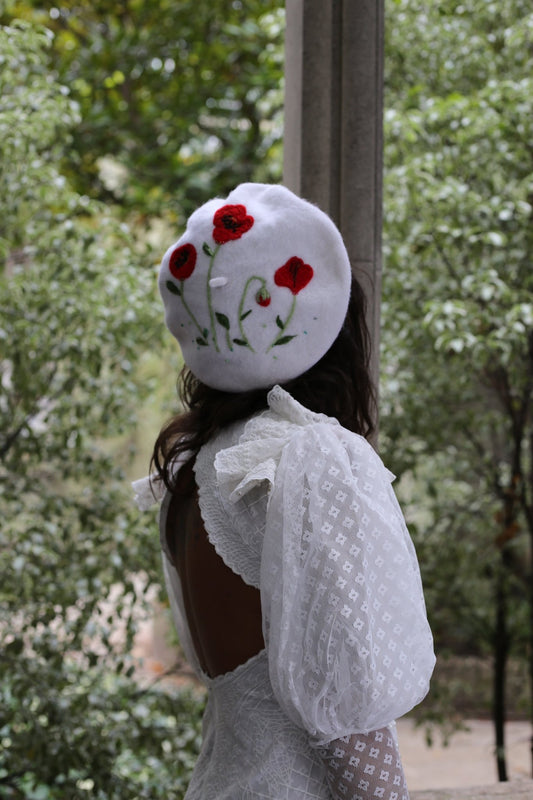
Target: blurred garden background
{"type": "Point", "coordinates": [116, 120]}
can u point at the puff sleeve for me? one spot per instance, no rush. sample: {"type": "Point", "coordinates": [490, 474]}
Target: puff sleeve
{"type": "Point", "coordinates": [344, 619]}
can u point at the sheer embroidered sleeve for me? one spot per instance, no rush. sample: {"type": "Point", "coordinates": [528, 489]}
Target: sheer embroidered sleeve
{"type": "Point", "coordinates": [349, 645]}
{"type": "Point", "coordinates": [365, 767]}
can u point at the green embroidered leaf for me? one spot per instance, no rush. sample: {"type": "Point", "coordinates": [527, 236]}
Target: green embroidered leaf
{"type": "Point", "coordinates": [279, 322]}
{"type": "Point", "coordinates": [206, 333]}
{"type": "Point", "coordinates": [207, 250]}
{"type": "Point", "coordinates": [201, 341]}
{"type": "Point", "coordinates": [223, 320]}
{"type": "Point", "coordinates": [243, 316]}
{"type": "Point", "coordinates": [284, 340]}
{"type": "Point", "coordinates": [173, 288]}
{"type": "Point", "coordinates": [241, 342]}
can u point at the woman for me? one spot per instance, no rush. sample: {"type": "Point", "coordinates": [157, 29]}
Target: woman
{"type": "Point", "coordinates": [293, 581]}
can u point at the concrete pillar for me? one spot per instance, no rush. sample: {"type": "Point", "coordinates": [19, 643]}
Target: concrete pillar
{"type": "Point", "coordinates": [333, 126]}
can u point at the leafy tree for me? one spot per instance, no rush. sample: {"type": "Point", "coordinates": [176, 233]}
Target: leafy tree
{"type": "Point", "coordinates": [114, 107]}
{"type": "Point", "coordinates": [184, 97]}
{"type": "Point", "coordinates": [458, 311]}
{"type": "Point", "coordinates": [76, 310]}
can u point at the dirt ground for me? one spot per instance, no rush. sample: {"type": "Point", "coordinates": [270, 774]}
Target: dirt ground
{"type": "Point", "coordinates": [469, 758]}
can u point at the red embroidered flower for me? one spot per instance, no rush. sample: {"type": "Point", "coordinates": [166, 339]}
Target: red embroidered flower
{"type": "Point", "coordinates": [231, 222]}
{"type": "Point", "coordinates": [262, 297]}
{"type": "Point", "coordinates": [182, 261]}
{"type": "Point", "coordinates": [295, 275]}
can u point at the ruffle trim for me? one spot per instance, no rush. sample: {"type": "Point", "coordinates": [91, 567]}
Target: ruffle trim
{"type": "Point", "coordinates": [147, 492]}
{"type": "Point", "coordinates": [151, 490]}
{"type": "Point", "coordinates": [254, 459]}
{"type": "Point", "coordinates": [230, 539]}
{"type": "Point", "coordinates": [236, 471]}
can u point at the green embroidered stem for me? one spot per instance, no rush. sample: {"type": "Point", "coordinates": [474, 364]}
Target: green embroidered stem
{"type": "Point", "coordinates": [241, 307]}
{"type": "Point", "coordinates": [188, 310]}
{"type": "Point", "coordinates": [228, 340]}
{"type": "Point", "coordinates": [223, 320]}
{"type": "Point", "coordinates": [280, 339]}
{"type": "Point", "coordinates": [209, 300]}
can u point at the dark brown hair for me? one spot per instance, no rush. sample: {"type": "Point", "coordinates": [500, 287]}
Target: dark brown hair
{"type": "Point", "coordinates": [338, 385]}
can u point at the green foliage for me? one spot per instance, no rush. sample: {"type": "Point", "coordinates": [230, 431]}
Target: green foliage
{"type": "Point", "coordinates": [457, 385]}
{"type": "Point", "coordinates": [184, 97]}
{"type": "Point", "coordinates": [86, 733]}
{"type": "Point", "coordinates": [77, 308]}
{"type": "Point", "coordinates": [150, 108]}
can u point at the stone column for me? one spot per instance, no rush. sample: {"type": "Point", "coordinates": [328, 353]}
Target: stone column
{"type": "Point", "coordinates": [333, 126]}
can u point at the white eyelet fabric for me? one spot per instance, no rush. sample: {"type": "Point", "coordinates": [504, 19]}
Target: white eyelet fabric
{"type": "Point", "coordinates": [305, 510]}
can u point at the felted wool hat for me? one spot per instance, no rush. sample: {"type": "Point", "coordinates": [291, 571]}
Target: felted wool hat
{"type": "Point", "coordinates": [257, 288]}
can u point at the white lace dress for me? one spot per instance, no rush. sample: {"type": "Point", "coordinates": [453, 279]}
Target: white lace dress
{"type": "Point", "coordinates": [304, 510]}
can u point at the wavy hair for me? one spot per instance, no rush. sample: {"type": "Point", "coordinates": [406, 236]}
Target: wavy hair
{"type": "Point", "coordinates": [339, 385]}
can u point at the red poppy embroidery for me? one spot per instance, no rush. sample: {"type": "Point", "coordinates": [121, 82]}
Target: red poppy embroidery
{"type": "Point", "coordinates": [262, 297]}
{"type": "Point", "coordinates": [182, 261]}
{"type": "Point", "coordinates": [295, 275]}
{"type": "Point", "coordinates": [231, 222]}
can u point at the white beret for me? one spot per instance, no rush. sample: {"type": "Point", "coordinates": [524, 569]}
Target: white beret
{"type": "Point", "coordinates": [257, 288]}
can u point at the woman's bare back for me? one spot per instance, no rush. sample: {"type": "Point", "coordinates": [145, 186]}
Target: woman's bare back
{"type": "Point", "coordinates": [223, 612]}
